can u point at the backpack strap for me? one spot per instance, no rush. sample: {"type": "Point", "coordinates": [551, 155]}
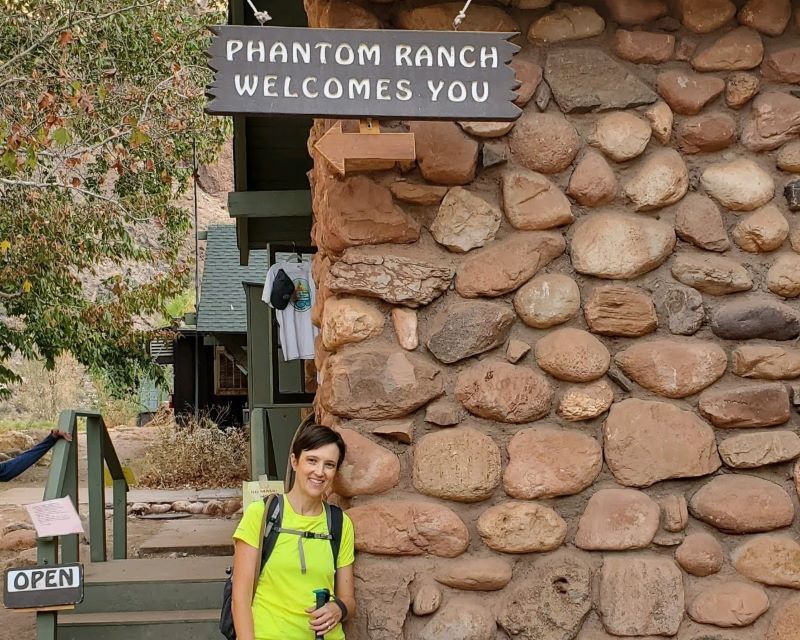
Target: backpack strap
{"type": "Point", "coordinates": [273, 516]}
{"type": "Point", "coordinates": [271, 513]}
{"type": "Point", "coordinates": [335, 519]}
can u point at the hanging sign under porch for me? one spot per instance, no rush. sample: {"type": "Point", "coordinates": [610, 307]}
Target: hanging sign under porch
{"type": "Point", "coordinates": [359, 73]}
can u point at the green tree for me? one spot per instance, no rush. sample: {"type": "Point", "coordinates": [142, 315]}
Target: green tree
{"type": "Point", "coordinates": [100, 103]}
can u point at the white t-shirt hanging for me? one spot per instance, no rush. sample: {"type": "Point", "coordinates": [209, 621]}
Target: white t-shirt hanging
{"type": "Point", "coordinates": [296, 331]}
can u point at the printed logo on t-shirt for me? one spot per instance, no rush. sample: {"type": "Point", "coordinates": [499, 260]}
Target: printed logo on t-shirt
{"type": "Point", "coordinates": [301, 300]}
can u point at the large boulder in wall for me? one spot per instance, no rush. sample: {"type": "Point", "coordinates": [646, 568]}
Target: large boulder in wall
{"type": "Point", "coordinates": [378, 383]}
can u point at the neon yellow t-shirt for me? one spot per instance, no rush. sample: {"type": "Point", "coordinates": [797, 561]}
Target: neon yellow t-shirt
{"type": "Point", "coordinates": [284, 592]}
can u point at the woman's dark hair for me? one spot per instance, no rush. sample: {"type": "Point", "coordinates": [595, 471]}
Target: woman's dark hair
{"type": "Point", "coordinates": [314, 436]}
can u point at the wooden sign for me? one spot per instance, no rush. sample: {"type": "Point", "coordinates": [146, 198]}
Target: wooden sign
{"type": "Point", "coordinates": [47, 587]}
{"type": "Point", "coordinates": [368, 150]}
{"type": "Point", "coordinates": [254, 490]}
{"type": "Point", "coordinates": [360, 73]}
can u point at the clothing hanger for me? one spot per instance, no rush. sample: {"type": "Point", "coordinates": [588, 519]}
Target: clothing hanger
{"type": "Point", "coordinates": [296, 257]}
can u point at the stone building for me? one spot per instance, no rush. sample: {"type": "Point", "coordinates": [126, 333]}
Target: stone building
{"type": "Point", "coordinates": [562, 351]}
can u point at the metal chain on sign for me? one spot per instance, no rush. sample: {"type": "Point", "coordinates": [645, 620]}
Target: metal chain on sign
{"type": "Point", "coordinates": [461, 16]}
{"type": "Point", "coordinates": [262, 16]}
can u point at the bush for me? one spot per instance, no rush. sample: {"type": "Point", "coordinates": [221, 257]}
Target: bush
{"type": "Point", "coordinates": [43, 394]}
{"type": "Point", "coordinates": [197, 455]}
{"type": "Point", "coordinates": [116, 411]}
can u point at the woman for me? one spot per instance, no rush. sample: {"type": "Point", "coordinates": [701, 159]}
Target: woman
{"type": "Point", "coordinates": [282, 607]}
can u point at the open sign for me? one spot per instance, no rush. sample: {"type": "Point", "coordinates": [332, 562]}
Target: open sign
{"type": "Point", "coordinates": [43, 586]}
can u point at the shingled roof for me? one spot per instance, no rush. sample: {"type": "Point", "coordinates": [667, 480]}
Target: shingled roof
{"type": "Point", "coordinates": [223, 304]}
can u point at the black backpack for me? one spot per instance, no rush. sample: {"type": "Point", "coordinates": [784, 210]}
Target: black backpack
{"type": "Point", "coordinates": [273, 517]}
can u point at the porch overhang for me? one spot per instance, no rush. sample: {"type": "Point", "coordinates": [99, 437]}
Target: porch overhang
{"type": "Point", "coordinates": [264, 217]}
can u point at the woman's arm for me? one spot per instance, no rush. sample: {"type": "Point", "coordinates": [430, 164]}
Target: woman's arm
{"type": "Point", "coordinates": [10, 469]}
{"type": "Point", "coordinates": [345, 589]}
{"type": "Point", "coordinates": [245, 561]}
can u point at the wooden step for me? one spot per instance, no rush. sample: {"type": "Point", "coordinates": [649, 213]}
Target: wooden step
{"type": "Point", "coordinates": [168, 584]}
{"type": "Point", "coordinates": [193, 536]}
{"type": "Point", "coordinates": [190, 569]}
{"type": "Point", "coordinates": [138, 617]}
{"type": "Point", "coordinates": [140, 625]}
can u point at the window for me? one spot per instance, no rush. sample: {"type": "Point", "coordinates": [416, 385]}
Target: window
{"type": "Point", "coordinates": [161, 351]}
{"type": "Point", "coordinates": [229, 379]}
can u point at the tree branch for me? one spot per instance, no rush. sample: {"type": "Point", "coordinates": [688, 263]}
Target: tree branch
{"type": "Point", "coordinates": [160, 85]}
{"type": "Point", "coordinates": [69, 187]}
{"type": "Point", "coordinates": [11, 81]}
{"type": "Point", "coordinates": [76, 152]}
{"type": "Point", "coordinates": [61, 26]}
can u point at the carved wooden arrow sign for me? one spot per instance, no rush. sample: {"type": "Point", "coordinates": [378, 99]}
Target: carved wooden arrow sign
{"type": "Point", "coordinates": [368, 150]}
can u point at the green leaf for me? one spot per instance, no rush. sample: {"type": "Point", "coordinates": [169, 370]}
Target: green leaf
{"type": "Point", "coordinates": [32, 160]}
{"type": "Point", "coordinates": [61, 136]}
{"type": "Point", "coordinates": [9, 161]}
{"type": "Point", "coordinates": [139, 138]}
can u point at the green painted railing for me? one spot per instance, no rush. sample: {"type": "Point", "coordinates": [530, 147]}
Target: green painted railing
{"type": "Point", "coordinates": [63, 482]}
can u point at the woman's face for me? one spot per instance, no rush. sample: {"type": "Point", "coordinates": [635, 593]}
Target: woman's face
{"type": "Point", "coordinates": [316, 469]}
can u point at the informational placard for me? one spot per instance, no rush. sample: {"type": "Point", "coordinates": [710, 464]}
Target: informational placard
{"type": "Point", "coordinates": [361, 73]}
{"type": "Point", "coordinates": [43, 587]}
{"type": "Point", "coordinates": [54, 518]}
{"type": "Point", "coordinates": [259, 489]}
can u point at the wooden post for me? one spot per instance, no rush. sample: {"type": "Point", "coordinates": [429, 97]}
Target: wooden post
{"type": "Point", "coordinates": [283, 422]}
{"type": "Point", "coordinates": [46, 625]}
{"type": "Point", "coordinates": [259, 443]}
{"type": "Point", "coordinates": [120, 542]}
{"type": "Point", "coordinates": [70, 544]}
{"type": "Point", "coordinates": [97, 498]}
{"type": "Point", "coordinates": [47, 552]}
{"type": "Point", "coordinates": [120, 494]}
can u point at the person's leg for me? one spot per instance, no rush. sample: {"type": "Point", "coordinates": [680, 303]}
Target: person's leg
{"type": "Point", "coordinates": [10, 469]}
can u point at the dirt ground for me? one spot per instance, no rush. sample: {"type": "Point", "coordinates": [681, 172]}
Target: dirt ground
{"type": "Point", "coordinates": [130, 443]}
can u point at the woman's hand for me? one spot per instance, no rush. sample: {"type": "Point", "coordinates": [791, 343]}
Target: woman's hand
{"type": "Point", "coordinates": [324, 619]}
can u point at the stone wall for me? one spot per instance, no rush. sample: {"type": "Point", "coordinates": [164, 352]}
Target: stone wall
{"type": "Point", "coordinates": [563, 351]}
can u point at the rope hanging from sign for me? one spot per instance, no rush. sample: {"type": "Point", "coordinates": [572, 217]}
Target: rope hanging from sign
{"type": "Point", "coordinates": [461, 16]}
{"type": "Point", "coordinates": [262, 16]}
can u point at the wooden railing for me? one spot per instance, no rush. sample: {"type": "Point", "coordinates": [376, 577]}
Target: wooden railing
{"type": "Point", "coordinates": [63, 482]}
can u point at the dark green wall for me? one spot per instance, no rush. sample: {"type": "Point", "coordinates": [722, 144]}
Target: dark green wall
{"type": "Point", "coordinates": [277, 153]}
{"type": "Point", "coordinates": [258, 359]}
{"type": "Point", "coordinates": [271, 152]}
